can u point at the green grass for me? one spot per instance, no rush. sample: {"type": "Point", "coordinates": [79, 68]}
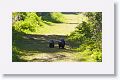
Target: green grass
{"type": "Point", "coordinates": [37, 49]}
{"type": "Point", "coordinates": [57, 29]}
{"type": "Point", "coordinates": [60, 28]}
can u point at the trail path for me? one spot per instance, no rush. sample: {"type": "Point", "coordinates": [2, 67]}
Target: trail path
{"type": "Point", "coordinates": [61, 28]}
{"type": "Point", "coordinates": [36, 45]}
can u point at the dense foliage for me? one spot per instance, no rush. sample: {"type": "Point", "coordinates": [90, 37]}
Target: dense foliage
{"type": "Point", "coordinates": [26, 22]}
{"type": "Point", "coordinates": [88, 36]}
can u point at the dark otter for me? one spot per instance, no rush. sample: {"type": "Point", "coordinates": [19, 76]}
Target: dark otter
{"type": "Point", "coordinates": [51, 43]}
{"type": "Point", "coordinates": [61, 43]}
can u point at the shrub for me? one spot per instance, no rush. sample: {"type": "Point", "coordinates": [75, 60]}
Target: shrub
{"type": "Point", "coordinates": [29, 24]}
{"type": "Point", "coordinates": [56, 17]}
{"type": "Point", "coordinates": [89, 35]}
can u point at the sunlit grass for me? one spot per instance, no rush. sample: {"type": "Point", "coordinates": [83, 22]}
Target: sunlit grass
{"type": "Point", "coordinates": [57, 29]}
{"type": "Point", "coordinates": [60, 28]}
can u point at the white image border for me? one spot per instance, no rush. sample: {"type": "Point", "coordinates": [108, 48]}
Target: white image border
{"type": "Point", "coordinates": [104, 67]}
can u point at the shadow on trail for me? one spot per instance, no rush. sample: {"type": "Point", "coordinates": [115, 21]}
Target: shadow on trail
{"type": "Point", "coordinates": [32, 43]}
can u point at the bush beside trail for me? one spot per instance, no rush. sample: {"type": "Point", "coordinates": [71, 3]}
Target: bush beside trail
{"type": "Point", "coordinates": [55, 17]}
{"type": "Point", "coordinates": [88, 37]}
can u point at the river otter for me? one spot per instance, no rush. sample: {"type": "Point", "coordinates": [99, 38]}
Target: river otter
{"type": "Point", "coordinates": [51, 43]}
{"type": "Point", "coordinates": [61, 43]}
